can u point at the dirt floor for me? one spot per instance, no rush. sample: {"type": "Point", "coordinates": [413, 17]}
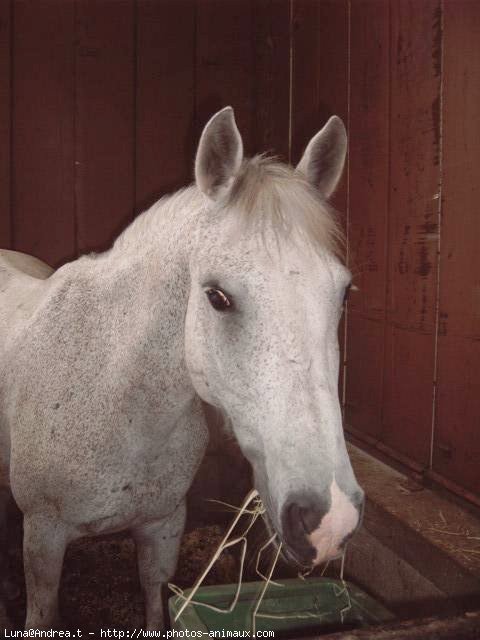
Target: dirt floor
{"type": "Point", "coordinates": [100, 586]}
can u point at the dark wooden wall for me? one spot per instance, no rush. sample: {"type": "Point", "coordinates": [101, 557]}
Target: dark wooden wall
{"type": "Point", "coordinates": [413, 329]}
{"type": "Point", "coordinates": [101, 105]}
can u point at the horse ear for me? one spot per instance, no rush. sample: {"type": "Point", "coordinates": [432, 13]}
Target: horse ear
{"type": "Point", "coordinates": [219, 154]}
{"type": "Point", "coordinates": [324, 156]}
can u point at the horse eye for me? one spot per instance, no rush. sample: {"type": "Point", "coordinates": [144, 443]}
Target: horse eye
{"type": "Point", "coordinates": [219, 300]}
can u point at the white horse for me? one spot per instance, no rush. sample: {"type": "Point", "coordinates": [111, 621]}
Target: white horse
{"type": "Point", "coordinates": [230, 291]}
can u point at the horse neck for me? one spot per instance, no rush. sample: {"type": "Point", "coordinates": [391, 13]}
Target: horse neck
{"type": "Point", "coordinates": [138, 294]}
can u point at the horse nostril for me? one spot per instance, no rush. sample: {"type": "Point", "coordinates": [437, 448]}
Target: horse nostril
{"type": "Point", "coordinates": [309, 518]}
{"type": "Point", "coordinates": [302, 514]}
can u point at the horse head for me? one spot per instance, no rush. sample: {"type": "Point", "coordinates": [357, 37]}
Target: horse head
{"type": "Point", "coordinates": [267, 294]}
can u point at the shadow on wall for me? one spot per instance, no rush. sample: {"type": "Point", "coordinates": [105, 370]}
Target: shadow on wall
{"type": "Point", "coordinates": [224, 475]}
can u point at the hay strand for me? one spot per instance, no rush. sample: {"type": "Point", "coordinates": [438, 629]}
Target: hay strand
{"type": "Point", "coordinates": [223, 545]}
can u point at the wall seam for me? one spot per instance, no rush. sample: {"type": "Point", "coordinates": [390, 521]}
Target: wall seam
{"type": "Point", "coordinates": [11, 137]}
{"type": "Point", "coordinates": [290, 83]}
{"type": "Point", "coordinates": [347, 222]}
{"type": "Point", "coordinates": [387, 227]}
{"type": "Point", "coordinates": [438, 196]}
{"type": "Point", "coordinates": [135, 109]}
{"type": "Point", "coordinates": [76, 37]}
{"type": "Point", "coordinates": [195, 73]}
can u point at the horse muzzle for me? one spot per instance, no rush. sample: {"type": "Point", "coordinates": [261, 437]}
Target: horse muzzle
{"type": "Point", "coordinates": [316, 529]}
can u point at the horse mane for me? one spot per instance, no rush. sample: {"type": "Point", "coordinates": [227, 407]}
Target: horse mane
{"type": "Point", "coordinates": [276, 196]}
{"type": "Point", "coordinates": [169, 210]}
{"type": "Point", "coordinates": [265, 194]}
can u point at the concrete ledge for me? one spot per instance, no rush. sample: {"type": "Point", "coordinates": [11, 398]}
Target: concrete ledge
{"type": "Point", "coordinates": [417, 552]}
{"type": "Point", "coordinates": [464, 627]}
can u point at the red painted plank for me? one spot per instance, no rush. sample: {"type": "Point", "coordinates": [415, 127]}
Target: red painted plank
{"type": "Point", "coordinates": [224, 63]}
{"type": "Point", "coordinates": [271, 19]}
{"type": "Point", "coordinates": [368, 212]}
{"type": "Point", "coordinates": [320, 71]}
{"type": "Point", "coordinates": [43, 90]}
{"type": "Point", "coordinates": [165, 136]}
{"type": "Point", "coordinates": [5, 98]}
{"type": "Point", "coordinates": [456, 452]}
{"type": "Point", "coordinates": [413, 227]}
{"type": "Point", "coordinates": [105, 121]}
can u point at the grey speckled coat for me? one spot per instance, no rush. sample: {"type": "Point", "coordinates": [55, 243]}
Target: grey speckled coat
{"type": "Point", "coordinates": [103, 363]}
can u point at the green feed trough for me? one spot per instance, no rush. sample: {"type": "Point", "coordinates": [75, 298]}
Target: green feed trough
{"type": "Point", "coordinates": [316, 605]}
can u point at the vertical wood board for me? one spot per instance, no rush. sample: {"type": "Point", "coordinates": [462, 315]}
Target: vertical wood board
{"type": "Point", "coordinates": [456, 451]}
{"type": "Point", "coordinates": [224, 63]}
{"type": "Point", "coordinates": [5, 121]}
{"type": "Point", "coordinates": [105, 121]}
{"type": "Point", "coordinates": [320, 70]}
{"type": "Point", "coordinates": [165, 100]}
{"type": "Point", "coordinates": [368, 211]}
{"type": "Point", "coordinates": [413, 227]}
{"type": "Point", "coordinates": [42, 121]}
{"type": "Point", "coordinates": [271, 90]}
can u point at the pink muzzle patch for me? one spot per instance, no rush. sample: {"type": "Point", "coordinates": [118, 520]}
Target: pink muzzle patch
{"type": "Point", "coordinates": [339, 522]}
